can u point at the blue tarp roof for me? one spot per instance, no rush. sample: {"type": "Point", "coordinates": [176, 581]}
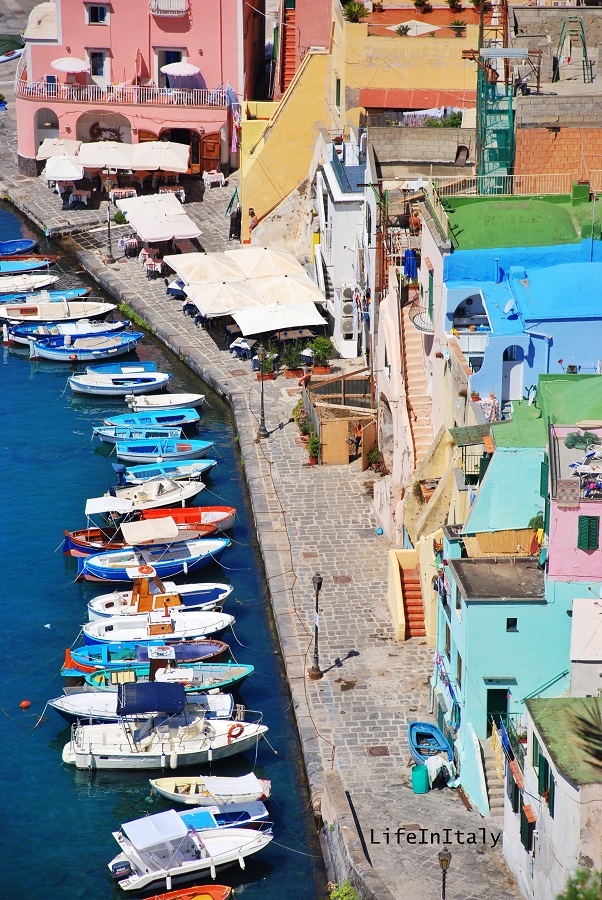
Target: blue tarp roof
{"type": "Point", "coordinates": [508, 497]}
{"type": "Point", "coordinates": [150, 697]}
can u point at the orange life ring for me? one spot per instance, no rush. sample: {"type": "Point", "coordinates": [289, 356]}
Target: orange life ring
{"type": "Point", "coordinates": [145, 570]}
{"type": "Point", "coordinates": [235, 731]}
{"type": "Point", "coordinates": [303, 381]}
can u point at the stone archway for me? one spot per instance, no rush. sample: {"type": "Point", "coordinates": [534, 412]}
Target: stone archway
{"type": "Point", "coordinates": [386, 432]}
{"type": "Point", "coordinates": [104, 125]}
{"type": "Point", "coordinates": [46, 125]}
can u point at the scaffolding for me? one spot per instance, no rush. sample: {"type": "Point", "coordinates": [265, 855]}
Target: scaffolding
{"type": "Point", "coordinates": [572, 30]}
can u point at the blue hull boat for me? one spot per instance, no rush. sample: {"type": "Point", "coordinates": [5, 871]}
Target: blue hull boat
{"type": "Point", "coordinates": [132, 368]}
{"type": "Point", "coordinates": [158, 451]}
{"type": "Point", "coordinates": [162, 418]}
{"type": "Point", "coordinates": [166, 559]}
{"type": "Point", "coordinates": [101, 706]}
{"type": "Point", "coordinates": [177, 471]}
{"type": "Point", "coordinates": [111, 434]}
{"type": "Point", "coordinates": [65, 348]}
{"type": "Point", "coordinates": [10, 266]}
{"type": "Point", "coordinates": [198, 678]}
{"type": "Point", "coordinates": [101, 384]}
{"type": "Point", "coordinates": [427, 740]}
{"type": "Point", "coordinates": [10, 248]}
{"type": "Point", "coordinates": [45, 296]}
{"type": "Point", "coordinates": [120, 655]}
{"type": "Point", "coordinates": [24, 334]}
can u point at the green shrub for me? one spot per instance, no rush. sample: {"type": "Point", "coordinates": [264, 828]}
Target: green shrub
{"type": "Point", "coordinates": [291, 355]}
{"type": "Point", "coordinates": [314, 444]}
{"type": "Point", "coordinates": [375, 457]}
{"type": "Point", "coordinates": [536, 522]}
{"type": "Point", "coordinates": [344, 891]}
{"type": "Point", "coordinates": [322, 348]}
{"type": "Point", "coordinates": [403, 30]}
{"type": "Point", "coordinates": [354, 11]}
{"type": "Point", "coordinates": [119, 218]}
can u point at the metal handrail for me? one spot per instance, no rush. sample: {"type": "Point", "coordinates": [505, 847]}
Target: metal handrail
{"type": "Point", "coordinates": [128, 94]}
{"type": "Point", "coordinates": [420, 319]}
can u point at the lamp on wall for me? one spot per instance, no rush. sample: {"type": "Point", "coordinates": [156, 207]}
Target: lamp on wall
{"type": "Point", "coordinates": [67, 128]}
{"type": "Point", "coordinates": [68, 49]}
{"type": "Point", "coordinates": [200, 52]}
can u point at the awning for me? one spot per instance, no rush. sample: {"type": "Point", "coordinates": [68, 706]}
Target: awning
{"type": "Point", "coordinates": [165, 155]}
{"type": "Point", "coordinates": [107, 504]}
{"type": "Point", "coordinates": [277, 317]}
{"type": "Point", "coordinates": [469, 435]}
{"type": "Point", "coordinates": [57, 147]}
{"type": "Point", "coordinates": [261, 262]}
{"type": "Point", "coordinates": [148, 696]}
{"type": "Point", "coordinates": [105, 155]}
{"type": "Point", "coordinates": [397, 98]}
{"type": "Point", "coordinates": [149, 530]}
{"type": "Point", "coordinates": [157, 829]}
{"type": "Point", "coordinates": [63, 168]}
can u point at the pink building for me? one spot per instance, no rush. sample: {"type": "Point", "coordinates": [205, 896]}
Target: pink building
{"type": "Point", "coordinates": [124, 95]}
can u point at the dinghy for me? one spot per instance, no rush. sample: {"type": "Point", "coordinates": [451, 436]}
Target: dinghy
{"type": "Point", "coordinates": [122, 368]}
{"type": "Point", "coordinates": [65, 348]}
{"type": "Point", "coordinates": [141, 599]}
{"type": "Point", "coordinates": [161, 418]}
{"type": "Point", "coordinates": [164, 401]}
{"type": "Point", "coordinates": [111, 434]}
{"type": "Point", "coordinates": [144, 740]}
{"type": "Point", "coordinates": [21, 265]}
{"type": "Point", "coordinates": [14, 248]}
{"type": "Point", "coordinates": [150, 494]}
{"type": "Point", "coordinates": [55, 311]}
{"type": "Point", "coordinates": [44, 296]}
{"type": "Point", "coordinates": [24, 334]}
{"type": "Point", "coordinates": [106, 385]}
{"type": "Point", "coordinates": [205, 790]}
{"type": "Point", "coordinates": [198, 678]}
{"type": "Point", "coordinates": [25, 283]}
{"type": "Point", "coordinates": [177, 471]}
{"type": "Point", "coordinates": [101, 706]}
{"type": "Point", "coordinates": [202, 892]}
{"type": "Point", "coordinates": [184, 626]}
{"type": "Point", "coordinates": [162, 848]}
{"type": "Point", "coordinates": [11, 55]}
{"type": "Point", "coordinates": [178, 558]}
{"type": "Point", "coordinates": [161, 450]}
{"type": "Point", "coordinates": [217, 518]}
{"type": "Point", "coordinates": [121, 655]}
{"type": "Point", "coordinates": [427, 740]}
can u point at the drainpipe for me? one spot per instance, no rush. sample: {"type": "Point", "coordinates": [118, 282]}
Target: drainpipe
{"type": "Point", "coordinates": [497, 271]}
{"type": "Point", "coordinates": [544, 337]}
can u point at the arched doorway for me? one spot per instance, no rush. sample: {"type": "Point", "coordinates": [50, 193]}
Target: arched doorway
{"type": "Point", "coordinates": [513, 362]}
{"type": "Point", "coordinates": [386, 436]}
{"type": "Point", "coordinates": [205, 149]}
{"type": "Point", "coordinates": [46, 125]}
{"type": "Point", "coordinates": [104, 125]}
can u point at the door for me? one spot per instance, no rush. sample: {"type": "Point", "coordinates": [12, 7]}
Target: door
{"type": "Point", "coordinates": [512, 373]}
{"type": "Point", "coordinates": [166, 58]}
{"type": "Point", "coordinates": [497, 705]}
{"type": "Point", "coordinates": [210, 151]}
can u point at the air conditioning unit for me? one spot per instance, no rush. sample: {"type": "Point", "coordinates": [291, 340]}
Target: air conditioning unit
{"type": "Point", "coordinates": [347, 325]}
{"type": "Point", "coordinates": [347, 309]}
{"type": "Point", "coordinates": [347, 292]}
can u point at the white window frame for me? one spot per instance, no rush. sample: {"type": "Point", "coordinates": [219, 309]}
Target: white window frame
{"type": "Point", "coordinates": [88, 6]}
{"type": "Point", "coordinates": [105, 78]}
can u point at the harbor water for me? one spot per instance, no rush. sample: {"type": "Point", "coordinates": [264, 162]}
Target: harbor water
{"type": "Point", "coordinates": [58, 821]}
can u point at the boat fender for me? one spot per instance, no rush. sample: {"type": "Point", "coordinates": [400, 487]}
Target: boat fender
{"type": "Point", "coordinates": [89, 760]}
{"type": "Point", "coordinates": [73, 357]}
{"type": "Point", "coordinates": [173, 760]}
{"type": "Point", "coordinates": [185, 568]}
{"type": "Point", "coordinates": [168, 882]}
{"type": "Point", "coordinates": [235, 731]}
{"type": "Point", "coordinates": [210, 754]}
{"type": "Point", "coordinates": [212, 870]}
{"type": "Point", "coordinates": [163, 760]}
{"type": "Point", "coordinates": [241, 862]}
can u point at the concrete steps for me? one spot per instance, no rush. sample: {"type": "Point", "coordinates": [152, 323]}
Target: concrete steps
{"type": "Point", "coordinates": [289, 49]}
{"type": "Point", "coordinates": [418, 401]}
{"type": "Point", "coordinates": [495, 788]}
{"type": "Point", "coordinates": [412, 602]}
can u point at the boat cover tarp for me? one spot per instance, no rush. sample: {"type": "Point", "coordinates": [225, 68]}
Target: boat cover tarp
{"type": "Point", "coordinates": [244, 784]}
{"type": "Point", "coordinates": [157, 829]}
{"type": "Point", "coordinates": [150, 697]}
{"type": "Point", "coordinates": [107, 504]}
{"type": "Point", "coordinates": [199, 818]}
{"type": "Point", "coordinates": [149, 530]}
{"type": "Point", "coordinates": [10, 42]}
{"type": "Point", "coordinates": [184, 652]}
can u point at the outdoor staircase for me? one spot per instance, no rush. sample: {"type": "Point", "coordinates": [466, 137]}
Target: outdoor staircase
{"type": "Point", "coordinates": [495, 788]}
{"type": "Point", "coordinates": [417, 399]}
{"type": "Point", "coordinates": [412, 603]}
{"type": "Point", "coordinates": [289, 48]}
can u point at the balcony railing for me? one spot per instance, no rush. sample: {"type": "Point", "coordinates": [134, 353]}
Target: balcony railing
{"type": "Point", "coordinates": [420, 319]}
{"type": "Point", "coordinates": [124, 95]}
{"type": "Point", "coordinates": [168, 7]}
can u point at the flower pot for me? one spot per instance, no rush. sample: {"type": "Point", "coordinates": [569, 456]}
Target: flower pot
{"type": "Point", "coordinates": [475, 396]}
{"type": "Point", "coordinates": [313, 460]}
{"type": "Point", "coordinates": [268, 376]}
{"type": "Point", "coordinates": [320, 370]}
{"type": "Point", "coordinates": [305, 439]}
{"type": "Point", "coordinates": [294, 373]}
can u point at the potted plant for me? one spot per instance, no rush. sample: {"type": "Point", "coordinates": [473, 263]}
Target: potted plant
{"type": "Point", "coordinates": [474, 396]}
{"type": "Point", "coordinates": [266, 368]}
{"type": "Point", "coordinates": [403, 30]}
{"type": "Point", "coordinates": [322, 348]}
{"type": "Point", "coordinates": [293, 361]}
{"type": "Point", "coordinates": [313, 448]}
{"type": "Point", "coordinates": [304, 423]}
{"type": "Point", "coordinates": [377, 6]}
{"type": "Point", "coordinates": [458, 26]}
{"type": "Point", "coordinates": [354, 11]}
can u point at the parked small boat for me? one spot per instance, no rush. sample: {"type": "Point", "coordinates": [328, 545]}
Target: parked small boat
{"type": "Point", "coordinates": [11, 55]}
{"type": "Point", "coordinates": [159, 450]}
{"type": "Point", "coordinates": [122, 368]}
{"type": "Point", "coordinates": [43, 296]}
{"type": "Point", "coordinates": [177, 471]}
{"type": "Point", "coordinates": [162, 418]}
{"type": "Point", "coordinates": [202, 892]}
{"type": "Point", "coordinates": [120, 655]}
{"type": "Point", "coordinates": [65, 348]}
{"type": "Point", "coordinates": [105, 385]}
{"type": "Point", "coordinates": [24, 334]}
{"type": "Point", "coordinates": [165, 401]}
{"type": "Point", "coordinates": [101, 706]}
{"type": "Point", "coordinates": [427, 740]}
{"type": "Point", "coordinates": [184, 626]}
{"type": "Point", "coordinates": [166, 559]}
{"type": "Point", "coordinates": [21, 265]}
{"type": "Point", "coordinates": [153, 494]}
{"type": "Point", "coordinates": [197, 678]}
{"type": "Point", "coordinates": [216, 518]}
{"type": "Point", "coordinates": [55, 311]}
{"type": "Point", "coordinates": [111, 434]}
{"type": "Point", "coordinates": [205, 790]}
{"type": "Point", "coordinates": [25, 283]}
{"type": "Point", "coordinates": [142, 599]}
{"type": "Point", "coordinates": [14, 248]}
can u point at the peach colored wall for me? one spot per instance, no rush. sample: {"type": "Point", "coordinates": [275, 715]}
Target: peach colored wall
{"type": "Point", "coordinates": [313, 20]}
{"type": "Point", "coordinates": [566, 562]}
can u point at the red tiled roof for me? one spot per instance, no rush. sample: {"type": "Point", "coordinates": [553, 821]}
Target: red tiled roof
{"type": "Point", "coordinates": [396, 98]}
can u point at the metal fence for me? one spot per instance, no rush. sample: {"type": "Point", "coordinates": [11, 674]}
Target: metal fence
{"type": "Point", "coordinates": [118, 94]}
{"type": "Point", "coordinates": [529, 185]}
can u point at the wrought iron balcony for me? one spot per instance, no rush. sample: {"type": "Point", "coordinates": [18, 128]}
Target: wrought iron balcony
{"type": "Point", "coordinates": [168, 7]}
{"type": "Point", "coordinates": [420, 319]}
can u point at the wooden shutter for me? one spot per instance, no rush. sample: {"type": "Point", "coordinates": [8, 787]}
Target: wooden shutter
{"type": "Point", "coordinates": [535, 753]}
{"type": "Point", "coordinates": [524, 830]}
{"type": "Point", "coordinates": [431, 291]}
{"type": "Point", "coordinates": [543, 477]}
{"type": "Point", "coordinates": [588, 532]}
{"type": "Point", "coordinates": [552, 796]}
{"type": "Point", "coordinates": [543, 774]}
{"type": "Point", "coordinates": [593, 532]}
{"type": "Point", "coordinates": [546, 516]}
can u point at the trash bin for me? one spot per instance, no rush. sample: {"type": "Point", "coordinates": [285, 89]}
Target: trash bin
{"type": "Point", "coordinates": [420, 779]}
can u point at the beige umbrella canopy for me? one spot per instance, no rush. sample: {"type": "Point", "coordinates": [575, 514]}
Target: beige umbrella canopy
{"type": "Point", "coordinates": [277, 317]}
{"type": "Point", "coordinates": [222, 298]}
{"type": "Point", "coordinates": [151, 205]}
{"type": "Point", "coordinates": [57, 147]}
{"type": "Point", "coordinates": [261, 262]}
{"type": "Point", "coordinates": [63, 168]}
{"type": "Point", "coordinates": [105, 155]}
{"type": "Point", "coordinates": [203, 268]}
{"type": "Point", "coordinates": [165, 155]}
{"type": "Point", "coordinates": [70, 64]}
{"type": "Point", "coordinates": [288, 289]}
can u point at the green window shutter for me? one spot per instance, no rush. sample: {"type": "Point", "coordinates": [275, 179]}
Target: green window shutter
{"type": "Point", "coordinates": [546, 516]}
{"type": "Point", "coordinates": [594, 532]}
{"type": "Point", "coordinates": [535, 753]}
{"type": "Point", "coordinates": [588, 532]}
{"type": "Point", "coordinates": [431, 291]}
{"type": "Point", "coordinates": [542, 775]}
{"type": "Point", "coordinates": [543, 477]}
{"type": "Point", "coordinates": [515, 799]}
{"type": "Point", "coordinates": [524, 829]}
{"type": "Point", "coordinates": [551, 797]}
{"type": "Point", "coordinates": [337, 99]}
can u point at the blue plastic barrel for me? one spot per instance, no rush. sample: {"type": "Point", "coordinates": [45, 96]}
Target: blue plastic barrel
{"type": "Point", "coordinates": [420, 779]}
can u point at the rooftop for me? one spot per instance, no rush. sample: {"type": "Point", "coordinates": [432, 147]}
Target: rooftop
{"type": "Point", "coordinates": [526, 429]}
{"type": "Point", "coordinates": [566, 291]}
{"type": "Point", "coordinates": [569, 447]}
{"type": "Point", "coordinates": [508, 497]}
{"type": "Point", "coordinates": [499, 579]}
{"type": "Point", "coordinates": [435, 24]}
{"type": "Point", "coordinates": [557, 721]}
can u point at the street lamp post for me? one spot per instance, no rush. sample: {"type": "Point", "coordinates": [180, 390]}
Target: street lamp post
{"type": "Point", "coordinates": [444, 861]}
{"type": "Point", "coordinates": [314, 673]}
{"type": "Point", "coordinates": [109, 258]}
{"type": "Point", "coordinates": [262, 431]}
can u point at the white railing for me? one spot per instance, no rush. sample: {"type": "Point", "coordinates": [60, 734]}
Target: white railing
{"type": "Point", "coordinates": [326, 242]}
{"type": "Point", "coordinates": [494, 185]}
{"type": "Point", "coordinates": [168, 7]}
{"type": "Point", "coordinates": [437, 207]}
{"type": "Point", "coordinates": [128, 94]}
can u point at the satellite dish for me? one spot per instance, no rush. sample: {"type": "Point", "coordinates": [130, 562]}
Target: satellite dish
{"type": "Point", "coordinates": [509, 307]}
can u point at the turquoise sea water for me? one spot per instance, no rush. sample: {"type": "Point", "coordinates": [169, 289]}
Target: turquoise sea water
{"type": "Point", "coordinates": [57, 821]}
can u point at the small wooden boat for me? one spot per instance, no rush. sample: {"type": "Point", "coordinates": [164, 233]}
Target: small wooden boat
{"type": "Point", "coordinates": [24, 334]}
{"type": "Point", "coordinates": [166, 559]}
{"type": "Point", "coordinates": [205, 790]}
{"type": "Point", "coordinates": [105, 385]}
{"type": "Point", "coordinates": [25, 283]}
{"type": "Point", "coordinates": [165, 401]}
{"type": "Point", "coordinates": [21, 265]}
{"type": "Point", "coordinates": [44, 296]}
{"type": "Point", "coordinates": [111, 434]}
{"type": "Point", "coordinates": [159, 419]}
{"type": "Point", "coordinates": [427, 740]}
{"type": "Point", "coordinates": [142, 598]}
{"type": "Point", "coordinates": [9, 56]}
{"type": "Point", "coordinates": [65, 348]}
{"type": "Point", "coordinates": [202, 892]}
{"type": "Point", "coordinates": [216, 518]}
{"type": "Point", "coordinates": [55, 311]}
{"type": "Point", "coordinates": [14, 248]}
{"type": "Point", "coordinates": [197, 678]}
{"type": "Point", "coordinates": [101, 706]}
{"type": "Point", "coordinates": [142, 451]}
{"type": "Point", "coordinates": [122, 368]}
{"type": "Point", "coordinates": [154, 493]}
{"type": "Point", "coordinates": [177, 471]}
{"type": "Point", "coordinates": [122, 654]}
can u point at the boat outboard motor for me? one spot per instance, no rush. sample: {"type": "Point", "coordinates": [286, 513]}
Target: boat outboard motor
{"type": "Point", "coordinates": [119, 470]}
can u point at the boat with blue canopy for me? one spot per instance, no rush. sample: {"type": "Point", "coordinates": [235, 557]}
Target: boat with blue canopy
{"type": "Point", "coordinates": [178, 558]}
{"type": "Point", "coordinates": [161, 418]}
{"type": "Point", "coordinates": [79, 348]}
{"type": "Point", "coordinates": [161, 450]}
{"type": "Point", "coordinates": [101, 706]}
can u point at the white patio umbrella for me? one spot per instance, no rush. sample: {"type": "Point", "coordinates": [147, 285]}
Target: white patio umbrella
{"type": "Point", "coordinates": [260, 262]}
{"type": "Point", "coordinates": [180, 68]}
{"type": "Point", "coordinates": [222, 298]}
{"type": "Point", "coordinates": [277, 317]}
{"type": "Point", "coordinates": [57, 147]}
{"type": "Point", "coordinates": [288, 289]}
{"type": "Point", "coordinates": [63, 168]}
{"type": "Point", "coordinates": [153, 205]}
{"type": "Point", "coordinates": [105, 155]}
{"type": "Point", "coordinates": [70, 64]}
{"type": "Point", "coordinates": [163, 228]}
{"type": "Point", "coordinates": [166, 155]}
{"type": "Point", "coordinates": [203, 268]}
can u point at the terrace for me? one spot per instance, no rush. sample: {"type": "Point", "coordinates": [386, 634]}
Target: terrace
{"type": "Point", "coordinates": [576, 463]}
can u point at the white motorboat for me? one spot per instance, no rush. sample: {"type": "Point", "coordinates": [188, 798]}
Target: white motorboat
{"type": "Point", "coordinates": [176, 626]}
{"type": "Point", "coordinates": [169, 847]}
{"type": "Point", "coordinates": [158, 492]}
{"type": "Point", "coordinates": [101, 706]}
{"type": "Point", "coordinates": [18, 284]}
{"type": "Point", "coordinates": [164, 401]}
{"type": "Point", "coordinates": [108, 384]}
{"type": "Point", "coordinates": [146, 597]}
{"type": "Point", "coordinates": [141, 740]}
{"type": "Point", "coordinates": [205, 790]}
{"type": "Point", "coordinates": [55, 311]}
